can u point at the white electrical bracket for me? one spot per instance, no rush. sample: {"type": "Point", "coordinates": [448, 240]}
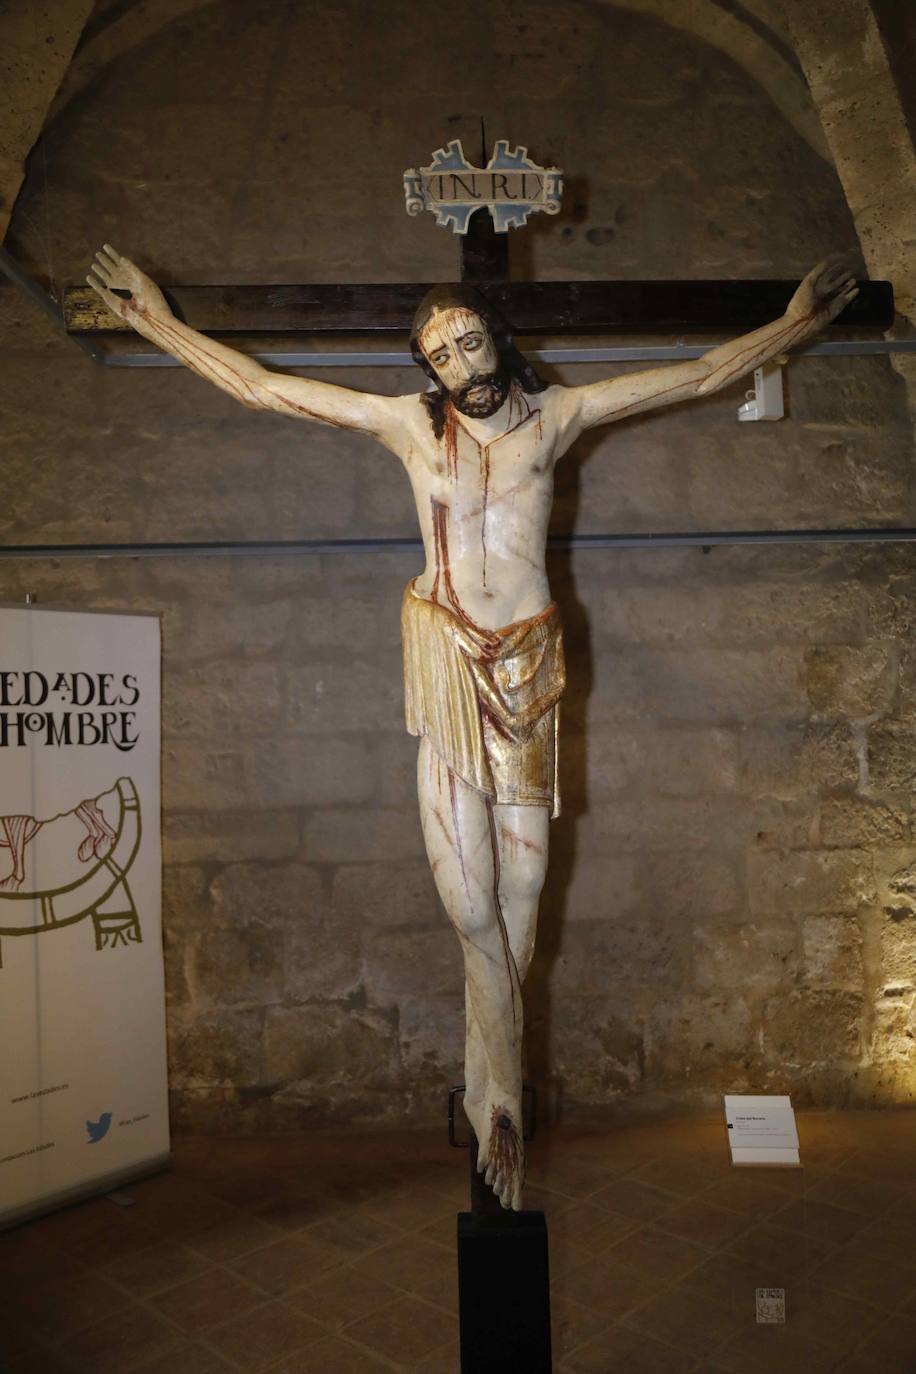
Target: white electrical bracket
{"type": "Point", "coordinates": [765, 402]}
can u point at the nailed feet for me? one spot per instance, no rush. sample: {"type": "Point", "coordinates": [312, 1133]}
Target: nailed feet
{"type": "Point", "coordinates": [501, 1155]}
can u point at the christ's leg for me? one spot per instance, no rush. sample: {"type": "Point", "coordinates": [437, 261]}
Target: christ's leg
{"type": "Point", "coordinates": [521, 839]}
{"type": "Point", "coordinates": [521, 834]}
{"type": "Point", "coordinates": [457, 828]}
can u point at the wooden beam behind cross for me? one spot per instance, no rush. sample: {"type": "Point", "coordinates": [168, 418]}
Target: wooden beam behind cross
{"type": "Point", "coordinates": [552, 307]}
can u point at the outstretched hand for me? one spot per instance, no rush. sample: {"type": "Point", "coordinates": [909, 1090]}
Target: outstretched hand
{"type": "Point", "coordinates": [111, 273]}
{"type": "Point", "coordinates": [825, 292]}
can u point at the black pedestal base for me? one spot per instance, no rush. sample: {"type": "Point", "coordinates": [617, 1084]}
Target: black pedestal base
{"type": "Point", "coordinates": [504, 1293]}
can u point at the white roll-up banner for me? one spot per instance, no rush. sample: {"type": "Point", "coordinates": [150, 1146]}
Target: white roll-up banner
{"type": "Point", "coordinates": [83, 1078]}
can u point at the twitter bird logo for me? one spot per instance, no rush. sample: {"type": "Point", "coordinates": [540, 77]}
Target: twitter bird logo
{"type": "Point", "coordinates": [98, 1129]}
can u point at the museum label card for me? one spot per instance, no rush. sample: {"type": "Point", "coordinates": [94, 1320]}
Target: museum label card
{"type": "Point", "coordinates": [771, 1306]}
{"type": "Point", "coordinates": [761, 1130]}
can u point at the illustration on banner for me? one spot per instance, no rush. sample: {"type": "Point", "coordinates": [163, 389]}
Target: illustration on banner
{"type": "Point", "coordinates": [73, 866]}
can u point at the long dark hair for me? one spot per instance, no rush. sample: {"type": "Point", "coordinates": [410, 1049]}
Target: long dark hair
{"type": "Point", "coordinates": [458, 297]}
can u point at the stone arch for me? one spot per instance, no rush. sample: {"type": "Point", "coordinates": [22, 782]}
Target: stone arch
{"type": "Point", "coordinates": [754, 38]}
{"type": "Point", "coordinates": [749, 33]}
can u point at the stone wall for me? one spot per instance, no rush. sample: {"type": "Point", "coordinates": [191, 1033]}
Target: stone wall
{"type": "Point", "coordinates": [732, 900]}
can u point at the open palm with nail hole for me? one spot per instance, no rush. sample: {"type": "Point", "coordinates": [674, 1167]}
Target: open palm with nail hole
{"type": "Point", "coordinates": [111, 273]}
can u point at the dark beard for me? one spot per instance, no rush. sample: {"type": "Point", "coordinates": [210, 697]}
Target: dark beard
{"type": "Point", "coordinates": [495, 390]}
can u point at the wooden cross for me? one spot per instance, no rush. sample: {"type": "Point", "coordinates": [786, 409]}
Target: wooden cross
{"type": "Point", "coordinates": [552, 307]}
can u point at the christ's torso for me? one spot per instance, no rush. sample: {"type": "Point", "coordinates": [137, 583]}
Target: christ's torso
{"type": "Point", "coordinates": [483, 493]}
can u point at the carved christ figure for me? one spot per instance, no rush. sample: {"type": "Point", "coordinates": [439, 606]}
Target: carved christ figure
{"type": "Point", "coordinates": [483, 649]}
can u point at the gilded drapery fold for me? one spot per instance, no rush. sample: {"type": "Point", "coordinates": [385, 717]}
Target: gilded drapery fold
{"type": "Point", "coordinates": [491, 708]}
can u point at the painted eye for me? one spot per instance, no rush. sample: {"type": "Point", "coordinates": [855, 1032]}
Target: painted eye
{"type": "Point", "coordinates": [439, 359]}
{"type": "Point", "coordinates": [472, 342]}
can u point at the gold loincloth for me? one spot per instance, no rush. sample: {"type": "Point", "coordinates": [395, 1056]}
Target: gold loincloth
{"type": "Point", "coordinates": [490, 709]}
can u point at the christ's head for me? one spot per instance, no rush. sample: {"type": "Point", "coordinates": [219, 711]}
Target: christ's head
{"type": "Point", "coordinates": [460, 349]}
{"type": "Point", "coordinates": [466, 347]}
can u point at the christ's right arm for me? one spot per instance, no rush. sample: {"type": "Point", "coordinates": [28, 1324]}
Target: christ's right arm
{"type": "Point", "coordinates": [147, 310]}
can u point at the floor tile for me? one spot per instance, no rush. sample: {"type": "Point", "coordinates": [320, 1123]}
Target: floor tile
{"type": "Point", "coordinates": [740, 1193]}
{"type": "Point", "coordinates": [835, 1319]}
{"type": "Point", "coordinates": [765, 1349]}
{"type": "Point", "coordinates": [446, 1359]}
{"type": "Point", "coordinates": [405, 1331]}
{"type": "Point", "coordinates": [242, 1186]}
{"type": "Point", "coordinates": [684, 1318]}
{"type": "Point", "coordinates": [572, 1324]}
{"type": "Point", "coordinates": [578, 1175]}
{"type": "Point", "coordinates": [341, 1296]}
{"type": "Point", "coordinates": [631, 1198]}
{"type": "Point", "coordinates": [704, 1223]}
{"type": "Point", "coordinates": [55, 1311]}
{"type": "Point", "coordinates": [206, 1300]}
{"type": "Point", "coordinates": [292, 1211]}
{"type": "Point", "coordinates": [155, 1268]}
{"type": "Point", "coordinates": [406, 1208]}
{"type": "Point", "coordinates": [778, 1255]}
{"type": "Point", "coordinates": [618, 1350]}
{"type": "Point", "coordinates": [871, 1196]}
{"type": "Point", "coordinates": [19, 1335]}
{"type": "Point", "coordinates": [607, 1286]}
{"type": "Point", "coordinates": [189, 1357]}
{"type": "Point", "coordinates": [891, 1237]}
{"type": "Point", "coordinates": [441, 1289]}
{"type": "Point", "coordinates": [885, 1166]}
{"type": "Point", "coordinates": [659, 1257]}
{"type": "Point", "coordinates": [287, 1263]}
{"type": "Point", "coordinates": [174, 1206]}
{"type": "Point", "coordinates": [27, 1261]}
{"type": "Point", "coordinates": [443, 1231]}
{"type": "Point", "coordinates": [233, 1236]}
{"type": "Point", "coordinates": [890, 1347]}
{"type": "Point", "coordinates": [122, 1343]}
{"type": "Point", "coordinates": [684, 1176]}
{"type": "Point", "coordinates": [356, 1233]}
{"type": "Point", "coordinates": [820, 1220]}
{"type": "Point", "coordinates": [787, 1179]}
{"type": "Point", "coordinates": [407, 1263]}
{"type": "Point", "coordinates": [96, 1232]}
{"type": "Point", "coordinates": [585, 1229]}
{"type": "Point", "coordinates": [331, 1355]}
{"type": "Point", "coordinates": [44, 1360]}
{"type": "Point", "coordinates": [264, 1336]}
{"type": "Point", "coordinates": [858, 1274]}
{"type": "Point", "coordinates": [546, 1200]}
{"type": "Point", "coordinates": [728, 1280]}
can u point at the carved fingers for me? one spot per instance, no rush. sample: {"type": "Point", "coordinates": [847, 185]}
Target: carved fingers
{"type": "Point", "coordinates": [831, 274]}
{"type": "Point", "coordinates": [826, 290]}
{"type": "Point", "coordinates": [834, 285]}
{"type": "Point", "coordinates": [112, 273]}
{"type": "Point", "coordinates": [102, 280]}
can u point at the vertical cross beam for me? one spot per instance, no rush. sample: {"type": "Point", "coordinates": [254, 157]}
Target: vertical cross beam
{"type": "Point", "coordinates": [484, 253]}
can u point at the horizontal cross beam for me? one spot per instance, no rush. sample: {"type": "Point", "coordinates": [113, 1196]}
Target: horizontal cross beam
{"type": "Point", "coordinates": [552, 307]}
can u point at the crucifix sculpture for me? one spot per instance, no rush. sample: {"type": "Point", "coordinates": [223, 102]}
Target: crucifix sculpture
{"type": "Point", "coordinates": [483, 648]}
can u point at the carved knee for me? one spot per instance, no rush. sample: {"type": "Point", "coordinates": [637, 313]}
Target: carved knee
{"type": "Point", "coordinates": [479, 926]}
{"type": "Point", "coordinates": [521, 881]}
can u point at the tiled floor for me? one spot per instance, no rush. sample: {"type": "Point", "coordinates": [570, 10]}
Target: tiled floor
{"type": "Point", "coordinates": [334, 1254]}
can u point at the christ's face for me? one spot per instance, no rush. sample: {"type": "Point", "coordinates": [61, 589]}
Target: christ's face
{"type": "Point", "coordinates": [460, 349]}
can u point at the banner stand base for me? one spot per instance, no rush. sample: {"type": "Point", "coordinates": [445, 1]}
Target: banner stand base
{"type": "Point", "coordinates": [96, 1187]}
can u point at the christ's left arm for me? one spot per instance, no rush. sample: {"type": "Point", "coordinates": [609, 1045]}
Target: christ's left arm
{"type": "Point", "coordinates": [825, 291]}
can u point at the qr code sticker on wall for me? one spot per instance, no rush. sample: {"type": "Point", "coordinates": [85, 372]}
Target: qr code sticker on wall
{"type": "Point", "coordinates": [771, 1305]}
